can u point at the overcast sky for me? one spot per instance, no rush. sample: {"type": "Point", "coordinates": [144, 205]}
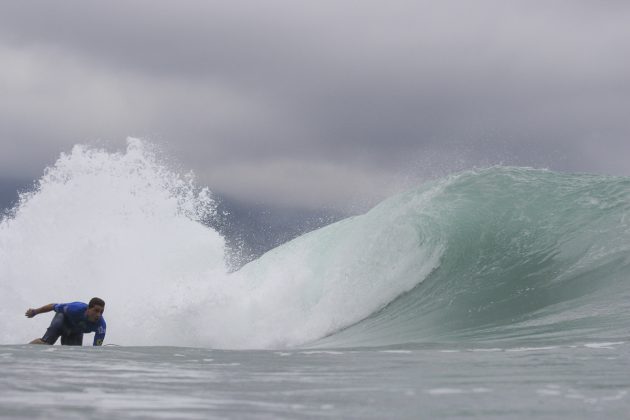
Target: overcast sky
{"type": "Point", "coordinates": [322, 103]}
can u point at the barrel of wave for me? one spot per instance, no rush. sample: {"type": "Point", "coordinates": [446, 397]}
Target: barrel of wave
{"type": "Point", "coordinates": [530, 255]}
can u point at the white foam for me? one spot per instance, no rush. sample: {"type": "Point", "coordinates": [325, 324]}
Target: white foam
{"type": "Point", "coordinates": [445, 391]}
{"type": "Point", "coordinates": [486, 350]}
{"type": "Point", "coordinates": [520, 349]}
{"type": "Point", "coordinates": [615, 397]}
{"type": "Point", "coordinates": [455, 391]}
{"type": "Point", "coordinates": [548, 392]}
{"type": "Point", "coordinates": [606, 345]}
{"type": "Point", "coordinates": [116, 225]}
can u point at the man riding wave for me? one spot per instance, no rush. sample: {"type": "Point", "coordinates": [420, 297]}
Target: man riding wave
{"type": "Point", "coordinates": [71, 321]}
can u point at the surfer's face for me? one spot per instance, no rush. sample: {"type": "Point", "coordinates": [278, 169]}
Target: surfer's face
{"type": "Point", "coordinates": [94, 313]}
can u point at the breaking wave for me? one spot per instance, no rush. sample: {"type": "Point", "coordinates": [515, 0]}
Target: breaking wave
{"type": "Point", "coordinates": [495, 254]}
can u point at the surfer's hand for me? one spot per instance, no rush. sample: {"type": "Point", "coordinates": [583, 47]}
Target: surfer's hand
{"type": "Point", "coordinates": [30, 313]}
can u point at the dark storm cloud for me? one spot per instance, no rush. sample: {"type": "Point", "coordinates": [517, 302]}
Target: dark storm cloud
{"type": "Point", "coordinates": [313, 103]}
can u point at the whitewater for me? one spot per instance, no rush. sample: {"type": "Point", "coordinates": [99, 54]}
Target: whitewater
{"type": "Point", "coordinates": [497, 292]}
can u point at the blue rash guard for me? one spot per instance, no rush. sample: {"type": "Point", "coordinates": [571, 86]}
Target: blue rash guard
{"type": "Point", "coordinates": [74, 314]}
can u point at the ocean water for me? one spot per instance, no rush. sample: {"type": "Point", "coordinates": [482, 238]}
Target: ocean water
{"type": "Point", "coordinates": [495, 293]}
{"type": "Point", "coordinates": [586, 380]}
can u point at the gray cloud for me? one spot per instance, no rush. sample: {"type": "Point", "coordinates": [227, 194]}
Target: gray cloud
{"type": "Point", "coordinates": [317, 103]}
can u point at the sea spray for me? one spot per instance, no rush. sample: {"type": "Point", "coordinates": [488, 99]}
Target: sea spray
{"type": "Point", "coordinates": [116, 225]}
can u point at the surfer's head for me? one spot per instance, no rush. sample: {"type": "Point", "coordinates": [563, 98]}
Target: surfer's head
{"type": "Point", "coordinates": [96, 301]}
{"type": "Point", "coordinates": [96, 306]}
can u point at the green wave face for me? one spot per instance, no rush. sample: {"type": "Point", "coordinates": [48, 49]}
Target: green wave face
{"type": "Point", "coordinates": [526, 255]}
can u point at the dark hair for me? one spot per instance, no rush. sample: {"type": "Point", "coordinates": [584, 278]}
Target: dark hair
{"type": "Point", "coordinates": [96, 301]}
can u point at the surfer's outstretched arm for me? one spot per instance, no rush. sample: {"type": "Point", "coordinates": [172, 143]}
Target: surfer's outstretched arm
{"type": "Point", "coordinates": [30, 313]}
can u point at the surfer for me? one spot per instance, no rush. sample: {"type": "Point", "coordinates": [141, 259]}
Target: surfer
{"type": "Point", "coordinates": [71, 321]}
